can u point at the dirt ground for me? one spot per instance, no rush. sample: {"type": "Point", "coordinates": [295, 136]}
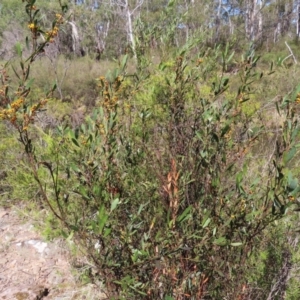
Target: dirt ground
{"type": "Point", "coordinates": [33, 269]}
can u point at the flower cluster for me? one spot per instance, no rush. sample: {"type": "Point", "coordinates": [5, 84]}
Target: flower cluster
{"type": "Point", "coordinates": [228, 135]}
{"type": "Point", "coordinates": [11, 112]}
{"type": "Point", "coordinates": [298, 98]}
{"type": "Point", "coordinates": [4, 76]}
{"type": "Point", "coordinates": [17, 104]}
{"type": "Point", "coordinates": [243, 205]}
{"type": "Point", "coordinates": [3, 97]}
{"type": "Point", "coordinates": [27, 116]}
{"type": "Point", "coordinates": [59, 19]}
{"type": "Point", "coordinates": [50, 35]}
{"type": "Point", "coordinates": [241, 97]}
{"type": "Point", "coordinates": [36, 107]}
{"type": "Point", "coordinates": [110, 98]}
{"type": "Point", "coordinates": [33, 28]}
{"type": "Point", "coordinates": [199, 62]}
{"type": "Point", "coordinates": [4, 85]}
{"type": "Point", "coordinates": [101, 129]}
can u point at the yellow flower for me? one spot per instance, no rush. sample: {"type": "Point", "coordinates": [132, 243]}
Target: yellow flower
{"type": "Point", "coordinates": [291, 198]}
{"type": "Point", "coordinates": [199, 61]}
{"type": "Point", "coordinates": [31, 26]}
{"type": "Point", "coordinates": [59, 18]}
{"type": "Point", "coordinates": [16, 104]}
{"type": "Point", "coordinates": [227, 136]}
{"type": "Point", "coordinates": [9, 111]}
{"type": "Point", "coordinates": [243, 204]}
{"type": "Point", "coordinates": [53, 33]}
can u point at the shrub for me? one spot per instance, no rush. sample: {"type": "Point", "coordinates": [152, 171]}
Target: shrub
{"type": "Point", "coordinates": [160, 194]}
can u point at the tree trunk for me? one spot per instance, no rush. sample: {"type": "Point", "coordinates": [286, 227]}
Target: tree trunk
{"type": "Point", "coordinates": [298, 18]}
{"type": "Point", "coordinates": [254, 19]}
{"type": "Point", "coordinates": [130, 28]}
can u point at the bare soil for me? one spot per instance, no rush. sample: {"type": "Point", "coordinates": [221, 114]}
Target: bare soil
{"type": "Point", "coordinates": [33, 269]}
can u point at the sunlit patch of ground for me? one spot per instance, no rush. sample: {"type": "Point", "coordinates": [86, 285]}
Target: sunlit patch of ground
{"type": "Point", "coordinates": [33, 269]}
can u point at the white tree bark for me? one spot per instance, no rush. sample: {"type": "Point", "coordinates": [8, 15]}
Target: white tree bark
{"type": "Point", "coordinates": [128, 13]}
{"type": "Point", "coordinates": [75, 35]}
{"type": "Point", "coordinates": [218, 19]}
{"type": "Point", "coordinates": [298, 18]}
{"type": "Point", "coordinates": [129, 27]}
{"type": "Point", "coordinates": [254, 19]}
{"type": "Point", "coordinates": [260, 20]}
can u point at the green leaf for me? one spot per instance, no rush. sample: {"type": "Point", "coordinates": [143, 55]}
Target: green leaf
{"type": "Point", "coordinates": [222, 241]}
{"type": "Point", "coordinates": [16, 73]}
{"type": "Point", "coordinates": [114, 204]}
{"type": "Point", "coordinates": [64, 8]}
{"type": "Point", "coordinates": [185, 215]}
{"type": "Point", "coordinates": [83, 192]}
{"type": "Point", "coordinates": [171, 3]}
{"type": "Point", "coordinates": [214, 231]}
{"type": "Point", "coordinates": [35, 13]}
{"type": "Point", "coordinates": [236, 244]}
{"type": "Point", "coordinates": [162, 66]}
{"type": "Point", "coordinates": [27, 72]}
{"type": "Point", "coordinates": [64, 234]}
{"type": "Point", "coordinates": [107, 232]}
{"type": "Point", "coordinates": [124, 62]}
{"type": "Point", "coordinates": [296, 92]}
{"type": "Point", "coordinates": [220, 273]}
{"type": "Point", "coordinates": [206, 223]}
{"type": "Point", "coordinates": [230, 57]}
{"type": "Point", "coordinates": [27, 43]}
{"type": "Point", "coordinates": [295, 192]}
{"type": "Point", "coordinates": [225, 81]}
{"type": "Point", "coordinates": [97, 191]}
{"type": "Point", "coordinates": [289, 156]}
{"type": "Point", "coordinates": [292, 183]}
{"type": "Point", "coordinates": [102, 218]}
{"type": "Point", "coordinates": [18, 48]}
{"type": "Point", "coordinates": [29, 83]}
{"type": "Point", "coordinates": [70, 237]}
{"type": "Point", "coordinates": [225, 129]}
{"type": "Point", "coordinates": [277, 204]}
{"type": "Point", "coordinates": [75, 168]}
{"type": "Point", "coordinates": [75, 142]}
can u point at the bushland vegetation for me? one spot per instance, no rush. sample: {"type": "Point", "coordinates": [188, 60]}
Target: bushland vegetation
{"type": "Point", "coordinates": [172, 168]}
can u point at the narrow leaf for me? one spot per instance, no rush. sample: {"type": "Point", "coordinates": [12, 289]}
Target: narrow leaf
{"type": "Point", "coordinates": [185, 215]}
{"type": "Point", "coordinates": [236, 244]}
{"type": "Point", "coordinates": [114, 204]}
{"type": "Point", "coordinates": [206, 223]}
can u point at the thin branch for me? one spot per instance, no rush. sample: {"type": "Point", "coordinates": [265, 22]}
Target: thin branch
{"type": "Point", "coordinates": [292, 54]}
